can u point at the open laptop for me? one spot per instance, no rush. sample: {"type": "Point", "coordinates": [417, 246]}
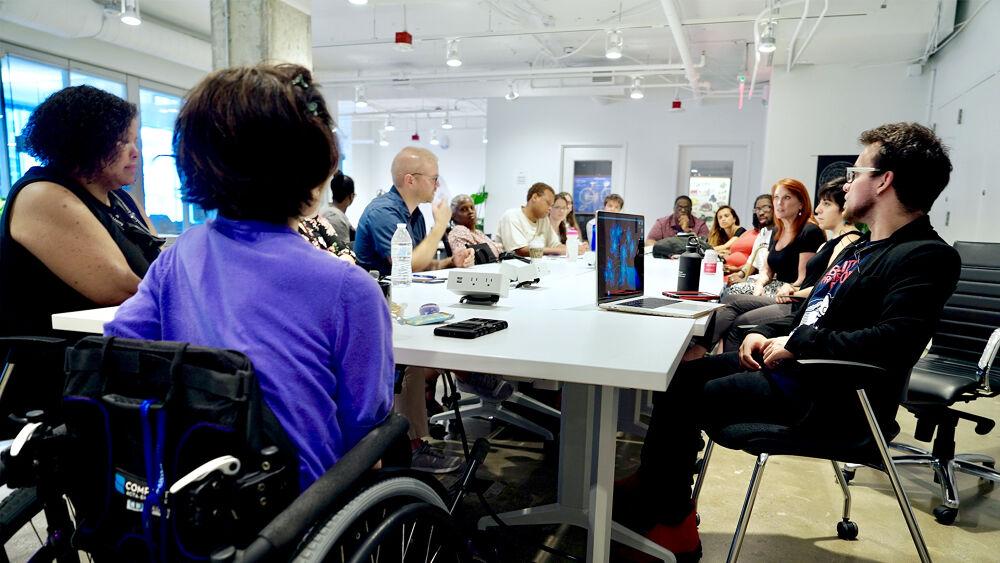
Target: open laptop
{"type": "Point", "coordinates": [620, 279]}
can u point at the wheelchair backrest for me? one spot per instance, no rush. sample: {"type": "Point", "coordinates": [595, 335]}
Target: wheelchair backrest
{"type": "Point", "coordinates": [144, 415]}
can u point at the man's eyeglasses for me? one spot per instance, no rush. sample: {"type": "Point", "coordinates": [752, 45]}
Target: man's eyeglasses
{"type": "Point", "coordinates": [853, 171]}
{"type": "Point", "coordinates": [762, 208]}
{"type": "Point", "coordinates": [432, 178]}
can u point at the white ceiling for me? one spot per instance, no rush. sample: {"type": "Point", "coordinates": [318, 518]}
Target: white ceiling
{"type": "Point", "coordinates": [352, 43]}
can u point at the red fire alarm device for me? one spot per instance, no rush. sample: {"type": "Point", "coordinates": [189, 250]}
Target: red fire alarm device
{"type": "Point", "coordinates": [404, 41]}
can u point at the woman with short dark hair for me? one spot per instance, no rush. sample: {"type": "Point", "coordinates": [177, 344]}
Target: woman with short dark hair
{"type": "Point", "coordinates": [72, 238]}
{"type": "Point", "coordinates": [256, 144]}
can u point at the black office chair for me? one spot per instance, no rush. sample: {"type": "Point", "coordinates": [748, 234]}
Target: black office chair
{"type": "Point", "coordinates": [959, 368]}
{"type": "Point", "coordinates": [836, 443]}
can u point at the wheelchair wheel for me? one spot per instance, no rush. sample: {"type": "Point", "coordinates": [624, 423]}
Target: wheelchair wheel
{"type": "Point", "coordinates": [347, 532]}
{"type": "Point", "coordinates": [16, 510]}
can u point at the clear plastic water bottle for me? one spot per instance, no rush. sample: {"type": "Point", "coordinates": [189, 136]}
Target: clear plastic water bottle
{"type": "Point", "coordinates": [402, 272]}
{"type": "Point", "coordinates": [572, 243]}
{"type": "Point", "coordinates": [711, 272]}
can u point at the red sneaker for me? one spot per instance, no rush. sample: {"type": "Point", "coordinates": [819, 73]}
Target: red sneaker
{"type": "Point", "coordinates": [681, 539]}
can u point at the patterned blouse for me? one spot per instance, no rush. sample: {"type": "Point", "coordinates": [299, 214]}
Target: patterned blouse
{"type": "Point", "coordinates": [319, 232]}
{"type": "Point", "coordinates": [461, 237]}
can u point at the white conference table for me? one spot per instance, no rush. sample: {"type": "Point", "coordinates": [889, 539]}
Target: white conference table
{"type": "Point", "coordinates": [555, 333]}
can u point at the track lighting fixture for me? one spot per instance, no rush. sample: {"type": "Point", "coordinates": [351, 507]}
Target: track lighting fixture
{"type": "Point", "coordinates": [388, 124]}
{"type": "Point", "coordinates": [613, 44]}
{"type": "Point", "coordinates": [130, 12]}
{"type": "Point", "coordinates": [360, 99]}
{"type": "Point", "coordinates": [451, 58]}
{"type": "Point", "coordinates": [766, 44]}
{"type": "Point", "coordinates": [635, 92]}
{"type": "Point", "coordinates": [512, 92]}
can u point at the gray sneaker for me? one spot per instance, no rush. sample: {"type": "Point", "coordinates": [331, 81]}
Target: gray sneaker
{"type": "Point", "coordinates": [486, 385]}
{"type": "Point", "coordinates": [431, 460]}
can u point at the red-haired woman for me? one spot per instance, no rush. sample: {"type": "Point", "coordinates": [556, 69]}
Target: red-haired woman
{"type": "Point", "coordinates": [793, 242]}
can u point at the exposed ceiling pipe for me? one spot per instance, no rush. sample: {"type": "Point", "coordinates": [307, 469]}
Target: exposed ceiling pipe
{"type": "Point", "coordinates": [674, 21]}
{"type": "Point", "coordinates": [514, 74]}
{"type": "Point", "coordinates": [826, 6]}
{"type": "Point", "coordinates": [795, 36]}
{"type": "Point", "coordinates": [83, 19]}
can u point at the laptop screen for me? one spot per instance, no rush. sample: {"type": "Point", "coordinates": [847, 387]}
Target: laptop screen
{"type": "Point", "coordinates": [619, 256]}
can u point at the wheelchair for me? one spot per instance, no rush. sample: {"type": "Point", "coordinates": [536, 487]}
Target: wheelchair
{"type": "Point", "coordinates": [161, 451]}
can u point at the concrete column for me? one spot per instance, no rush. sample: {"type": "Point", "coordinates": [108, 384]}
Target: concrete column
{"type": "Point", "coordinates": [247, 32]}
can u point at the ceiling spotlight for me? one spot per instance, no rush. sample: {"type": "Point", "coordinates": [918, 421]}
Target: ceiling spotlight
{"type": "Point", "coordinates": [485, 139]}
{"type": "Point", "coordinates": [512, 94]}
{"type": "Point", "coordinates": [446, 123]}
{"type": "Point", "coordinates": [360, 99]}
{"type": "Point", "coordinates": [130, 12]}
{"type": "Point", "coordinates": [434, 138]}
{"type": "Point", "coordinates": [388, 124]}
{"type": "Point", "coordinates": [635, 92]}
{"type": "Point", "coordinates": [358, 2]}
{"type": "Point", "coordinates": [452, 56]}
{"type": "Point", "coordinates": [382, 141]}
{"type": "Point", "coordinates": [766, 44]}
{"type": "Point", "coordinates": [613, 44]}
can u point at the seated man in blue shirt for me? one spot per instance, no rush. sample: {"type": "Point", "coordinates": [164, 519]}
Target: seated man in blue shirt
{"type": "Point", "coordinates": [415, 181]}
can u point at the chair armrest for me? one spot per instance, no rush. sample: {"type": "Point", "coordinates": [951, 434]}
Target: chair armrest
{"type": "Point", "coordinates": [318, 500]}
{"type": "Point", "coordinates": [856, 373]}
{"type": "Point", "coordinates": [986, 360]}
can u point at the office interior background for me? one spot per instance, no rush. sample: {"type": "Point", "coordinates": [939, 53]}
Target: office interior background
{"type": "Point", "coordinates": [648, 98]}
{"type": "Point", "coordinates": [845, 66]}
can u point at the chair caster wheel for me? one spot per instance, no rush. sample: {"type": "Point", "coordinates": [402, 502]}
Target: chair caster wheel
{"type": "Point", "coordinates": [847, 530]}
{"type": "Point", "coordinates": [945, 515]}
{"type": "Point", "coordinates": [849, 474]}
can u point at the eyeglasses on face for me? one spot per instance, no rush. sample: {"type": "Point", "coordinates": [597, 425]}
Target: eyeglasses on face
{"type": "Point", "coordinates": [853, 171]}
{"type": "Point", "coordinates": [433, 179]}
{"type": "Point", "coordinates": [762, 208]}
{"type": "Point", "coordinates": [560, 208]}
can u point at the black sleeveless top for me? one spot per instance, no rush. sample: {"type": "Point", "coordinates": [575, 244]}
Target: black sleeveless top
{"type": "Point", "coordinates": [29, 292]}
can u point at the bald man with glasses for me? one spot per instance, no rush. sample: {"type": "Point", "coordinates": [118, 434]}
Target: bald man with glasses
{"type": "Point", "coordinates": [415, 181]}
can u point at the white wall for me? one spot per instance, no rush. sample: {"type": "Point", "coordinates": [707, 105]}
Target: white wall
{"type": "Point", "coordinates": [822, 109]}
{"type": "Point", "coordinates": [462, 166]}
{"type": "Point", "coordinates": [526, 136]}
{"type": "Point", "coordinates": [967, 78]}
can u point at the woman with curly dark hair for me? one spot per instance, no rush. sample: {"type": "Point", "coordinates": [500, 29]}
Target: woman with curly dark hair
{"type": "Point", "coordinates": [72, 238]}
{"type": "Point", "coordinates": [256, 143]}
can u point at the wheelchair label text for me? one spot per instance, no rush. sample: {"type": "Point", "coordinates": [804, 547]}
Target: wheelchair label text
{"type": "Point", "coordinates": [134, 489]}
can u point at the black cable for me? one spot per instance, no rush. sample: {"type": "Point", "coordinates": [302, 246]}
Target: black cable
{"type": "Point", "coordinates": [451, 398]}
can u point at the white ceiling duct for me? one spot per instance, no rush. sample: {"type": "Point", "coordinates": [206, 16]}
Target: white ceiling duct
{"type": "Point", "coordinates": [79, 19]}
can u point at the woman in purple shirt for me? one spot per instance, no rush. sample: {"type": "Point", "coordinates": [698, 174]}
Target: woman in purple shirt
{"type": "Point", "coordinates": [256, 144]}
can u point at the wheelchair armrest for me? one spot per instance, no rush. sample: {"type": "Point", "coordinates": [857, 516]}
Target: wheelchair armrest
{"type": "Point", "coordinates": [317, 501]}
{"type": "Point", "coordinates": [857, 374]}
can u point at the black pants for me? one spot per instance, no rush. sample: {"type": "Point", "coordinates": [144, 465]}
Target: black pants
{"type": "Point", "coordinates": [711, 392]}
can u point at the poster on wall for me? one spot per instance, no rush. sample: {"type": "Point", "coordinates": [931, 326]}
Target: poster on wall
{"type": "Point", "coordinates": [829, 167]}
{"type": "Point", "coordinates": [707, 194]}
{"type": "Point", "coordinates": [591, 183]}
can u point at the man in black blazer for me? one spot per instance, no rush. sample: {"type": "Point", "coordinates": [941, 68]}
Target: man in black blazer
{"type": "Point", "coordinates": [878, 303]}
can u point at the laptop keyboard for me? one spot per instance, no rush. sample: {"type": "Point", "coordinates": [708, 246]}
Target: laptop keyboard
{"type": "Point", "coordinates": [649, 302]}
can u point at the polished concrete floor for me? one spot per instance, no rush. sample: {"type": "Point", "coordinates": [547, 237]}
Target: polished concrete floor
{"type": "Point", "coordinates": [797, 508]}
